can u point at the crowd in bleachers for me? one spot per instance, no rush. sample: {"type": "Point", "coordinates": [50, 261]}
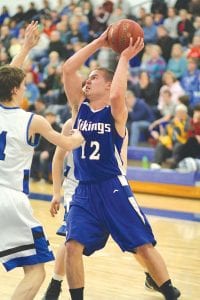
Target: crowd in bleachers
{"type": "Point", "coordinates": [163, 76]}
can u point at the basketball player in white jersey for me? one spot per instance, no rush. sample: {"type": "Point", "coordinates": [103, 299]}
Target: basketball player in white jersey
{"type": "Point", "coordinates": [23, 242]}
{"type": "Point", "coordinates": [103, 203]}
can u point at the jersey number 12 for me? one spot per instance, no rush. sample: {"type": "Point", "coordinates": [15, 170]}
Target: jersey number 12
{"type": "Point", "coordinates": [95, 155]}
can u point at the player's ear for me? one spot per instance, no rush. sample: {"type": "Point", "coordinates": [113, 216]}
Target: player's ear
{"type": "Point", "coordinates": [108, 85]}
{"type": "Point", "coordinates": [14, 91]}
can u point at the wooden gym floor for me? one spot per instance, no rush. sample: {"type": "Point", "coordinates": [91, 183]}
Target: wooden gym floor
{"type": "Point", "coordinates": [113, 275]}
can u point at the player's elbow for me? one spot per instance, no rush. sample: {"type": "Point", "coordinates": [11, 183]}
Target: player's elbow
{"type": "Point", "coordinates": [67, 67]}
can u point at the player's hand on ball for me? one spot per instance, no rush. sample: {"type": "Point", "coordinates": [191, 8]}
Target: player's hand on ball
{"type": "Point", "coordinates": [103, 38]}
{"type": "Point", "coordinates": [133, 49]}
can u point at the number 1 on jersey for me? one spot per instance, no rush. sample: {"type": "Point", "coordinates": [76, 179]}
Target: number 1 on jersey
{"type": "Point", "coordinates": [2, 144]}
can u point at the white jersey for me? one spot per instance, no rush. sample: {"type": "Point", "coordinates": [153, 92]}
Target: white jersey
{"type": "Point", "coordinates": [22, 238]}
{"type": "Point", "coordinates": [70, 182]}
{"type": "Point", "coordinates": [16, 151]}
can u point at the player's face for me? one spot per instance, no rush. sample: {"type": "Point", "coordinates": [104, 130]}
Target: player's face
{"type": "Point", "coordinates": [95, 84]}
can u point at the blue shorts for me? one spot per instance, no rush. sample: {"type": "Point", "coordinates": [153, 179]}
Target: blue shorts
{"type": "Point", "coordinates": [108, 207]}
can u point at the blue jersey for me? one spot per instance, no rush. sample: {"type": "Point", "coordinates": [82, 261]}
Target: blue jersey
{"type": "Point", "coordinates": [99, 157]}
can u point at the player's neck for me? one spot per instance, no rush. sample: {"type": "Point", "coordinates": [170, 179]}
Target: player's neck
{"type": "Point", "coordinates": [12, 103]}
{"type": "Point", "coordinates": [98, 104]}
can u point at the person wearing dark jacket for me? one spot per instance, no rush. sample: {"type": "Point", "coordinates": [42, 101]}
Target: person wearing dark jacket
{"type": "Point", "coordinates": [43, 155]}
{"type": "Point", "coordinates": [140, 116]}
{"type": "Point", "coordinates": [185, 28]}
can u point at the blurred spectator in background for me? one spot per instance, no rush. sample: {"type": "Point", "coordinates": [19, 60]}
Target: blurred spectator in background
{"type": "Point", "coordinates": [194, 8]}
{"type": "Point", "coordinates": [39, 107]}
{"type": "Point", "coordinates": [32, 66]}
{"type": "Point", "coordinates": [46, 8]}
{"type": "Point", "coordinates": [140, 116]}
{"type": "Point", "coordinates": [5, 37]}
{"type": "Point", "coordinates": [170, 81]}
{"type": "Point", "coordinates": [52, 60]}
{"type": "Point", "coordinates": [62, 27]}
{"type": "Point", "coordinates": [87, 10]}
{"type": "Point", "coordinates": [146, 89]}
{"type": "Point", "coordinates": [185, 28]}
{"type": "Point", "coordinates": [14, 28]}
{"type": "Point", "coordinates": [43, 155]}
{"type": "Point", "coordinates": [155, 65]}
{"type": "Point", "coordinates": [171, 22]}
{"type": "Point", "coordinates": [116, 15]}
{"type": "Point", "coordinates": [56, 44]}
{"type": "Point", "coordinates": [197, 26]}
{"type": "Point", "coordinates": [4, 58]}
{"type": "Point", "coordinates": [41, 49]}
{"type": "Point", "coordinates": [74, 35]}
{"type": "Point", "coordinates": [47, 25]}
{"type": "Point", "coordinates": [49, 87]}
{"type": "Point", "coordinates": [4, 14]}
{"type": "Point", "coordinates": [19, 15]}
{"type": "Point", "coordinates": [150, 30]}
{"type": "Point", "coordinates": [165, 42]}
{"type": "Point", "coordinates": [191, 82]}
{"type": "Point", "coordinates": [171, 137]}
{"type": "Point", "coordinates": [166, 112]}
{"type": "Point", "coordinates": [192, 147]}
{"type": "Point", "coordinates": [177, 64]}
{"type": "Point", "coordinates": [83, 24]}
{"type": "Point", "coordinates": [182, 4]}
{"type": "Point", "coordinates": [32, 92]}
{"type": "Point", "coordinates": [141, 16]}
{"type": "Point", "coordinates": [107, 58]}
{"type": "Point", "coordinates": [159, 11]}
{"type": "Point", "coordinates": [30, 13]}
{"type": "Point", "coordinates": [98, 23]}
{"type": "Point", "coordinates": [194, 48]}
{"type": "Point", "coordinates": [15, 47]}
{"type": "Point", "coordinates": [159, 6]}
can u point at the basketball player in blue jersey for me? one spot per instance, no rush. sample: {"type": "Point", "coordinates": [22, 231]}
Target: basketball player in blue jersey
{"type": "Point", "coordinates": [103, 203]}
{"type": "Point", "coordinates": [23, 242]}
{"type": "Point", "coordinates": [69, 185]}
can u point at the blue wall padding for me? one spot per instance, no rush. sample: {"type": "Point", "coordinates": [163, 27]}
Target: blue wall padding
{"type": "Point", "coordinates": [161, 176]}
{"type": "Point", "coordinates": [137, 153]}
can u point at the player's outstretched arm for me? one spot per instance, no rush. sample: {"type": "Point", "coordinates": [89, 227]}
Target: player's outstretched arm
{"type": "Point", "coordinates": [30, 40]}
{"type": "Point", "coordinates": [40, 125]}
{"type": "Point", "coordinates": [72, 81]}
{"type": "Point", "coordinates": [57, 170]}
{"type": "Point", "coordinates": [119, 83]}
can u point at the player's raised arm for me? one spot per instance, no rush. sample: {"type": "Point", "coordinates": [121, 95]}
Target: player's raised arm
{"type": "Point", "coordinates": [72, 81]}
{"type": "Point", "coordinates": [30, 40]}
{"type": "Point", "coordinates": [119, 83]}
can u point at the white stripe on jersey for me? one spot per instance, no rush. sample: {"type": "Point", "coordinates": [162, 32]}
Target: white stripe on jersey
{"type": "Point", "coordinates": [119, 162]}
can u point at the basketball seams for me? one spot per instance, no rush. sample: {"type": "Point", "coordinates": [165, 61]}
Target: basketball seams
{"type": "Point", "coordinates": [120, 32]}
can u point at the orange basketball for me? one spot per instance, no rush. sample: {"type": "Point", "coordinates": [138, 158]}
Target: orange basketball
{"type": "Point", "coordinates": [120, 32]}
